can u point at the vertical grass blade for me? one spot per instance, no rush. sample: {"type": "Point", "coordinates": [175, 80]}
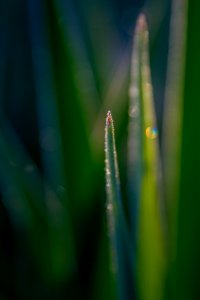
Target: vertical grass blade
{"type": "Point", "coordinates": [173, 131]}
{"type": "Point", "coordinates": [144, 173]}
{"type": "Point", "coordinates": [121, 252]}
{"type": "Point", "coordinates": [173, 112]}
{"type": "Point", "coordinates": [182, 148]}
{"type": "Point", "coordinates": [71, 105]}
{"type": "Point", "coordinates": [61, 245]}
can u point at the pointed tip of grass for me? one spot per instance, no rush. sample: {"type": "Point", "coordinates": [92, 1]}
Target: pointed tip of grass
{"type": "Point", "coordinates": [141, 24]}
{"type": "Point", "coordinates": [109, 119]}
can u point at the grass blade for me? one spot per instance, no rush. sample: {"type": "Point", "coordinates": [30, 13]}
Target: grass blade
{"type": "Point", "coordinates": [30, 202]}
{"type": "Point", "coordinates": [61, 246]}
{"type": "Point", "coordinates": [72, 111]}
{"type": "Point", "coordinates": [182, 148]}
{"type": "Point", "coordinates": [173, 131]}
{"type": "Point", "coordinates": [120, 247]}
{"type": "Point", "coordinates": [144, 172]}
{"type": "Point", "coordinates": [173, 111]}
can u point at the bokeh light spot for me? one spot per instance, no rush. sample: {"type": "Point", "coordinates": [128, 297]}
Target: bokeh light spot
{"type": "Point", "coordinates": [151, 132]}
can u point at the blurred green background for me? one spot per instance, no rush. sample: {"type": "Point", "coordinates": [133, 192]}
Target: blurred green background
{"type": "Point", "coordinates": [63, 65]}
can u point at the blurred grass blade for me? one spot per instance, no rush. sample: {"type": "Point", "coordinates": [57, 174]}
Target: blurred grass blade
{"type": "Point", "coordinates": [102, 274]}
{"type": "Point", "coordinates": [173, 111]}
{"type": "Point", "coordinates": [70, 26]}
{"type": "Point", "coordinates": [173, 128]}
{"type": "Point", "coordinates": [30, 202]}
{"type": "Point", "coordinates": [51, 141]}
{"type": "Point", "coordinates": [135, 137]}
{"type": "Point", "coordinates": [144, 172]}
{"type": "Point", "coordinates": [182, 148]}
{"type": "Point", "coordinates": [120, 241]}
{"type": "Point", "coordinates": [188, 242]}
{"type": "Point", "coordinates": [22, 196]}
{"type": "Point", "coordinates": [19, 172]}
{"type": "Point", "coordinates": [72, 109]}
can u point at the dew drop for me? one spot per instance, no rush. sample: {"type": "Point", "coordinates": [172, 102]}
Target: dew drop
{"type": "Point", "coordinates": [151, 132]}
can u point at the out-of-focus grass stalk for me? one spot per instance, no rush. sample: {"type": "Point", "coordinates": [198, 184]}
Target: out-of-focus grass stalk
{"type": "Point", "coordinates": [23, 196]}
{"type": "Point", "coordinates": [144, 173]}
{"type": "Point", "coordinates": [181, 150]}
{"type": "Point", "coordinates": [120, 242]}
{"type": "Point", "coordinates": [173, 131]}
{"type": "Point", "coordinates": [135, 136]}
{"type": "Point", "coordinates": [173, 114]}
{"type": "Point", "coordinates": [72, 102]}
{"type": "Point", "coordinates": [61, 246]}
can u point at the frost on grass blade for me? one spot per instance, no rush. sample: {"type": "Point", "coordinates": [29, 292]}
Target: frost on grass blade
{"type": "Point", "coordinates": [112, 177]}
{"type": "Point", "coordinates": [118, 232]}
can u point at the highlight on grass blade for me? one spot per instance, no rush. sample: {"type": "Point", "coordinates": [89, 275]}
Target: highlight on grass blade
{"type": "Point", "coordinates": [112, 183]}
{"type": "Point", "coordinates": [144, 173]}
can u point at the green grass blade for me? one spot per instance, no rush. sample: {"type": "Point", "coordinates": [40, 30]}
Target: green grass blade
{"type": "Point", "coordinates": [33, 207]}
{"type": "Point", "coordinates": [144, 172]}
{"type": "Point", "coordinates": [188, 238]}
{"type": "Point", "coordinates": [173, 131]}
{"type": "Point", "coordinates": [51, 141]}
{"type": "Point", "coordinates": [120, 240]}
{"type": "Point", "coordinates": [135, 137]}
{"type": "Point", "coordinates": [23, 197]}
{"type": "Point", "coordinates": [182, 148]}
{"type": "Point", "coordinates": [72, 106]}
{"type": "Point", "coordinates": [173, 113]}
{"type": "Point", "coordinates": [112, 172]}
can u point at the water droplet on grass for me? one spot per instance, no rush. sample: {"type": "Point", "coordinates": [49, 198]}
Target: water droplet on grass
{"type": "Point", "coordinates": [151, 132]}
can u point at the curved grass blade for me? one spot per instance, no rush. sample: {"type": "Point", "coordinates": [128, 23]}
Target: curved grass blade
{"type": "Point", "coordinates": [144, 173]}
{"type": "Point", "coordinates": [119, 235]}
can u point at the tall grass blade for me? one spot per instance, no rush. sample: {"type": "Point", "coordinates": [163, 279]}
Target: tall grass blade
{"type": "Point", "coordinates": [173, 113]}
{"type": "Point", "coordinates": [182, 148]}
{"type": "Point", "coordinates": [23, 197]}
{"type": "Point", "coordinates": [173, 130]}
{"type": "Point", "coordinates": [33, 206]}
{"type": "Point", "coordinates": [71, 105]}
{"type": "Point", "coordinates": [120, 247]}
{"type": "Point", "coordinates": [61, 245]}
{"type": "Point", "coordinates": [144, 173]}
